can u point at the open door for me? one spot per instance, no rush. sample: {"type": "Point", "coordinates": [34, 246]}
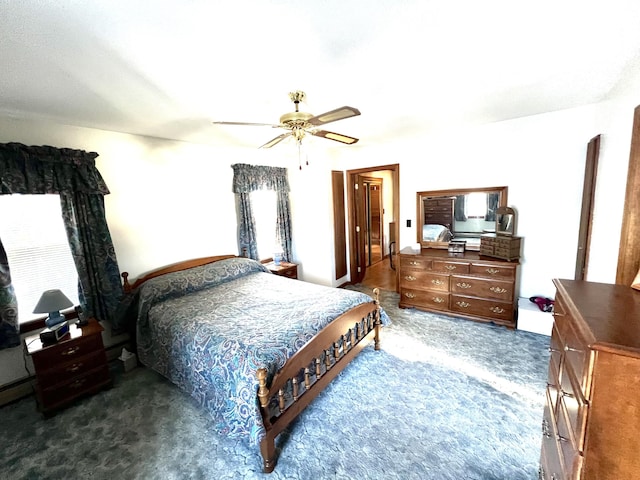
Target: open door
{"type": "Point", "coordinates": [586, 216]}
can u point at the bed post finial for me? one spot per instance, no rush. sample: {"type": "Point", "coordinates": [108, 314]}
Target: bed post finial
{"type": "Point", "coordinates": [263, 391]}
{"type": "Point", "coordinates": [125, 284]}
{"type": "Point", "coordinates": [376, 321]}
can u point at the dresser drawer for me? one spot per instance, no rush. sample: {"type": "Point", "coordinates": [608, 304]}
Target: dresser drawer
{"type": "Point", "coordinates": [568, 443]}
{"type": "Point", "coordinates": [493, 271]}
{"type": "Point", "coordinates": [479, 287]}
{"type": "Point", "coordinates": [416, 279]}
{"type": "Point", "coordinates": [66, 352]}
{"type": "Point", "coordinates": [450, 267]}
{"type": "Point", "coordinates": [433, 300]}
{"type": "Point", "coordinates": [572, 406]}
{"type": "Point", "coordinates": [414, 262]}
{"type": "Point", "coordinates": [551, 464]}
{"type": "Point", "coordinates": [484, 308]}
{"type": "Point", "coordinates": [75, 368]}
{"type": "Point", "coordinates": [74, 387]}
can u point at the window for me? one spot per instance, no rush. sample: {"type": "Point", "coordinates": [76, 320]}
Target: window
{"type": "Point", "coordinates": [263, 205]}
{"type": "Point", "coordinates": [33, 235]}
{"type": "Point", "coordinates": [476, 205]}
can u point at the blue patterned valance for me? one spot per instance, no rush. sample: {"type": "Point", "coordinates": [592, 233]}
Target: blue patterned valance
{"type": "Point", "coordinates": [249, 178]}
{"type": "Point", "coordinates": [44, 169]}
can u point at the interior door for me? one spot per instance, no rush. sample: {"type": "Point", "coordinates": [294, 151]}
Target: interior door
{"type": "Point", "coordinates": [373, 225]}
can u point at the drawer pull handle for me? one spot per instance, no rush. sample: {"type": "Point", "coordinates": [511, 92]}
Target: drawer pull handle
{"type": "Point", "coordinates": [463, 285]}
{"type": "Point", "coordinates": [492, 271]}
{"type": "Point", "coordinates": [409, 295]}
{"type": "Point", "coordinates": [75, 367]}
{"type": "Point", "coordinates": [77, 383]}
{"type": "Point", "coordinates": [546, 431]}
{"type": "Point", "coordinates": [438, 300]}
{"type": "Point", "coordinates": [437, 281]}
{"type": "Point", "coordinates": [554, 350]}
{"type": "Point", "coordinates": [409, 278]}
{"type": "Point", "coordinates": [451, 268]}
{"type": "Point", "coordinates": [413, 262]}
{"type": "Point", "coordinates": [557, 314]}
{"type": "Point", "coordinates": [463, 304]}
{"type": "Point", "coordinates": [567, 348]}
{"type": "Point", "coordinates": [566, 394]}
{"type": "Point", "coordinates": [497, 309]}
{"type": "Point", "coordinates": [563, 439]}
{"type": "Point", "coordinates": [71, 351]}
{"type": "Point", "coordinates": [498, 290]}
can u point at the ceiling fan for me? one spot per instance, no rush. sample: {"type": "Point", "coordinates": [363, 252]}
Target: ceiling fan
{"type": "Point", "coordinates": [298, 124]}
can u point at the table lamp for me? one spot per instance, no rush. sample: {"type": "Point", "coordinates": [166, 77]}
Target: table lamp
{"type": "Point", "coordinates": [51, 302]}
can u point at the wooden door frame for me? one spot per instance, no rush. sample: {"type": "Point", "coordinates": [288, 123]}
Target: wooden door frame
{"type": "Point", "coordinates": [355, 240]}
{"type": "Point", "coordinates": [378, 181]}
{"type": "Point", "coordinates": [629, 253]}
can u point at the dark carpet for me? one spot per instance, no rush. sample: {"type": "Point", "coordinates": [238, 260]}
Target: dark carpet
{"type": "Point", "coordinates": [445, 398]}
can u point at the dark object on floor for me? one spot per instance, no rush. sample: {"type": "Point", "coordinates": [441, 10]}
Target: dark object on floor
{"type": "Point", "coordinates": [544, 304]}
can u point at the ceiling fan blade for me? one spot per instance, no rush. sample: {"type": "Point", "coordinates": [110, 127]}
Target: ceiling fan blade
{"type": "Point", "coordinates": [246, 123]}
{"type": "Point", "coordinates": [338, 137]}
{"type": "Point", "coordinates": [275, 141]}
{"type": "Point", "coordinates": [337, 114]}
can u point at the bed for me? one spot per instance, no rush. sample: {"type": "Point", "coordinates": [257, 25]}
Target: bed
{"type": "Point", "coordinates": [252, 348]}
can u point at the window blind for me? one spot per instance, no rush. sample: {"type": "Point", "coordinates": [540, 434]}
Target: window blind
{"type": "Point", "coordinates": [33, 235]}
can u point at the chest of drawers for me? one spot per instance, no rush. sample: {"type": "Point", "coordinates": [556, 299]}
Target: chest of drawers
{"type": "Point", "coordinates": [591, 417]}
{"type": "Point", "coordinates": [74, 366]}
{"type": "Point", "coordinates": [467, 285]}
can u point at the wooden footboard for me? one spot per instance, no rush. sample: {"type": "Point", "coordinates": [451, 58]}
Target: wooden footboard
{"type": "Point", "coordinates": [311, 369]}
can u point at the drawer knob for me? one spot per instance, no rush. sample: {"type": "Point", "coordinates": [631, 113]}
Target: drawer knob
{"type": "Point", "coordinates": [74, 368]}
{"type": "Point", "coordinates": [414, 263]}
{"type": "Point", "coordinates": [438, 300]}
{"type": "Point", "coordinates": [409, 295]}
{"type": "Point", "coordinates": [463, 285]}
{"type": "Point", "coordinates": [567, 348]}
{"type": "Point", "coordinates": [498, 290]}
{"type": "Point", "coordinates": [463, 304]}
{"type": "Point", "coordinates": [78, 383]}
{"type": "Point", "coordinates": [492, 271]}
{"type": "Point", "coordinates": [409, 278]}
{"type": "Point", "coordinates": [451, 268]}
{"type": "Point", "coordinates": [71, 351]}
{"type": "Point", "coordinates": [437, 281]}
{"type": "Point", "coordinates": [497, 309]}
{"type": "Point", "coordinates": [566, 394]}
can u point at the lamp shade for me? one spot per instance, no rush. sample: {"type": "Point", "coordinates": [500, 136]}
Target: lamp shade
{"type": "Point", "coordinates": [52, 301]}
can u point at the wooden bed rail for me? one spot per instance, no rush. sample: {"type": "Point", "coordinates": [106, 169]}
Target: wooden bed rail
{"type": "Point", "coordinates": [311, 369]}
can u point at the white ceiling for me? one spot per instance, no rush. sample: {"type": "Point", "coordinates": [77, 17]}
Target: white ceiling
{"type": "Point", "coordinates": [167, 68]}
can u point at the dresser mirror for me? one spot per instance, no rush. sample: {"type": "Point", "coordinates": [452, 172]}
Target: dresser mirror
{"type": "Point", "coordinates": [505, 221]}
{"type": "Point", "coordinates": [458, 214]}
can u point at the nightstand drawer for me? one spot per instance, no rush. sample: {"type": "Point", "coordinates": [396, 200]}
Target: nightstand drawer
{"type": "Point", "coordinates": [67, 351]}
{"type": "Point", "coordinates": [75, 368]}
{"type": "Point", "coordinates": [60, 394]}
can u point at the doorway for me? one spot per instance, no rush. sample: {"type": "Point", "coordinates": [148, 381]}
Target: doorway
{"type": "Point", "coordinates": [357, 213]}
{"type": "Point", "coordinates": [373, 224]}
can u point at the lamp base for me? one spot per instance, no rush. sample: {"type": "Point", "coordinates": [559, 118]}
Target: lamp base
{"type": "Point", "coordinates": [54, 318]}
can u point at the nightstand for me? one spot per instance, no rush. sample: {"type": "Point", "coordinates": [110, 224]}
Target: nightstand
{"type": "Point", "coordinates": [73, 367]}
{"type": "Point", "coordinates": [285, 269]}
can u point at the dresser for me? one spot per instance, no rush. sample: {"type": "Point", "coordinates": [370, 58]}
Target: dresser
{"type": "Point", "coordinates": [591, 420]}
{"type": "Point", "coordinates": [73, 367]}
{"type": "Point", "coordinates": [466, 284]}
{"type": "Point", "coordinates": [439, 211]}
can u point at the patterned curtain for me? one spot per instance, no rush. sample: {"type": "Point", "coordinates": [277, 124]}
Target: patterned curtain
{"type": "Point", "coordinates": [249, 178]}
{"type": "Point", "coordinates": [492, 205]}
{"type": "Point", "coordinates": [458, 209]}
{"type": "Point", "coordinates": [72, 174]}
{"type": "Point", "coordinates": [9, 328]}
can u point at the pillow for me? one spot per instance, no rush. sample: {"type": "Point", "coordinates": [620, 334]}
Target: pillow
{"type": "Point", "coordinates": [435, 233]}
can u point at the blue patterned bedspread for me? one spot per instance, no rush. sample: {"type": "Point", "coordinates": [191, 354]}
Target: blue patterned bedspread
{"type": "Point", "coordinates": [210, 328]}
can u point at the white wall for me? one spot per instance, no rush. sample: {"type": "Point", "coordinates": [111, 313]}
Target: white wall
{"type": "Point", "coordinates": [172, 200]}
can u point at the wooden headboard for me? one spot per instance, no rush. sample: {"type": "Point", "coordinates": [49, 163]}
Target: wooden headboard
{"type": "Point", "coordinates": [174, 267]}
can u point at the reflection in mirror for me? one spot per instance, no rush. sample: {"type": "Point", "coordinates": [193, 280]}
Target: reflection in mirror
{"type": "Point", "coordinates": [460, 214]}
{"type": "Point", "coordinates": [505, 221]}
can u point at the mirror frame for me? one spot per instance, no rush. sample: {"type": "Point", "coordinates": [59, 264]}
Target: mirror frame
{"type": "Point", "coordinates": [502, 202]}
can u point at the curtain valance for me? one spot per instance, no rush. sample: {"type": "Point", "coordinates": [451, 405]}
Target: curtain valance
{"type": "Point", "coordinates": [44, 169]}
{"type": "Point", "coordinates": [249, 178]}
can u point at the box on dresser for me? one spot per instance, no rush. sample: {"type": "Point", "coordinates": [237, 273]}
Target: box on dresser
{"type": "Point", "coordinates": [591, 417]}
{"type": "Point", "coordinates": [465, 284]}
